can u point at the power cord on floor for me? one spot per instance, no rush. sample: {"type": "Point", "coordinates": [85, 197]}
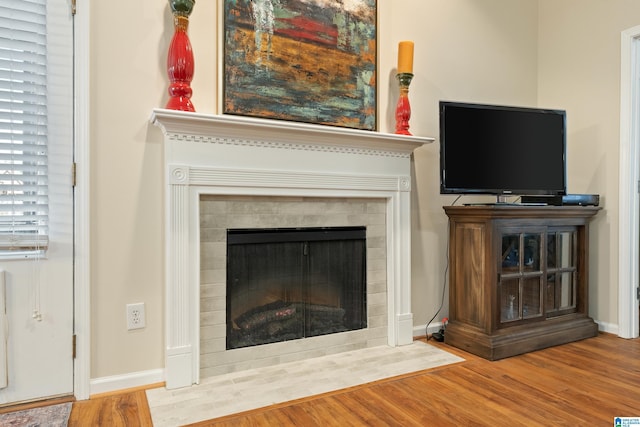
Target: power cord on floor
{"type": "Point", "coordinates": [440, 334]}
{"type": "Point", "coordinates": [444, 287]}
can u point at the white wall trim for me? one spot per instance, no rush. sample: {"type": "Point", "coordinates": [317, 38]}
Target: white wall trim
{"type": "Point", "coordinates": [82, 273]}
{"type": "Point", "coordinates": [610, 328]}
{"type": "Point", "coordinates": [629, 220]}
{"type": "Point", "coordinates": [126, 381]}
{"type": "Point", "coordinates": [420, 330]}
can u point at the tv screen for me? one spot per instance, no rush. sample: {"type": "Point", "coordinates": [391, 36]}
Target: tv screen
{"type": "Point", "coordinates": [502, 150]}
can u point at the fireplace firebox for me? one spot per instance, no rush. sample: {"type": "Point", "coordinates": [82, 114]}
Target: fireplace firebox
{"type": "Point", "coordinates": [292, 283]}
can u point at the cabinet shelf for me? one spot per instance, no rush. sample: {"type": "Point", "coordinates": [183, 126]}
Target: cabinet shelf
{"type": "Point", "coordinates": [518, 278]}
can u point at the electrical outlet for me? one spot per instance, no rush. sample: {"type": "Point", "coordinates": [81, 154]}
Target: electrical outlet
{"type": "Point", "coordinates": [135, 316]}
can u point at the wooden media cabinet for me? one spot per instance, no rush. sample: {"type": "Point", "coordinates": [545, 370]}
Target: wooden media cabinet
{"type": "Point", "coordinates": [518, 278]}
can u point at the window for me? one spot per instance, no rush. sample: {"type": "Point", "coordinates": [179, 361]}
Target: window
{"type": "Point", "coordinates": [24, 200]}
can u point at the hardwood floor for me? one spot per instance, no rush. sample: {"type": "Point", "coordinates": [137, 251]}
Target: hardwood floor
{"type": "Point", "coordinates": [125, 409]}
{"type": "Point", "coordinates": [586, 383]}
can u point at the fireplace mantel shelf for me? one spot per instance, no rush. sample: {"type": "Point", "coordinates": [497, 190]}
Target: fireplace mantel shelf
{"type": "Point", "coordinates": [181, 125]}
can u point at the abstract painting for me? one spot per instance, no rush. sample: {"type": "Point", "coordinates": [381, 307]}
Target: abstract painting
{"type": "Point", "coordinates": [311, 61]}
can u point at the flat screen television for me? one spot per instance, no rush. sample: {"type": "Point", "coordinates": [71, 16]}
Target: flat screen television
{"type": "Point", "coordinates": [502, 150]}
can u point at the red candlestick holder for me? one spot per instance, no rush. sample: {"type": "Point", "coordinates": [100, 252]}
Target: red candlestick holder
{"type": "Point", "coordinates": [180, 62]}
{"type": "Point", "coordinates": [403, 109]}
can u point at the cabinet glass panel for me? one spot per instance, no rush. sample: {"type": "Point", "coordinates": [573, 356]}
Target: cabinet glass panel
{"type": "Point", "coordinates": [551, 250]}
{"type": "Point", "coordinates": [510, 253]}
{"type": "Point", "coordinates": [560, 250]}
{"type": "Point", "coordinates": [550, 302]}
{"type": "Point", "coordinates": [521, 250]}
{"type": "Point", "coordinates": [561, 292]}
{"type": "Point", "coordinates": [565, 249]}
{"type": "Point", "coordinates": [566, 291]}
{"type": "Point", "coordinates": [510, 300]}
{"type": "Point", "coordinates": [531, 297]}
{"type": "Point", "coordinates": [531, 256]}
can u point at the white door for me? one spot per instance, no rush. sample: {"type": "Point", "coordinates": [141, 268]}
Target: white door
{"type": "Point", "coordinates": [36, 342]}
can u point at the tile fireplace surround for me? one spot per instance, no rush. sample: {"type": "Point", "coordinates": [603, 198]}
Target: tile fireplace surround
{"type": "Point", "coordinates": [212, 155]}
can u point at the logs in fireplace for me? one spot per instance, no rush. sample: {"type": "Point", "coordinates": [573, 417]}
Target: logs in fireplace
{"type": "Point", "coordinates": [285, 284]}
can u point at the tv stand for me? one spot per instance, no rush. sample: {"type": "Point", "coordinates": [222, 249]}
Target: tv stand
{"type": "Point", "coordinates": [518, 278]}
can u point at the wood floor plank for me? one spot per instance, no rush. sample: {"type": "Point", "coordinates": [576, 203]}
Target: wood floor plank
{"type": "Point", "coordinates": [584, 383]}
{"type": "Point", "coordinates": [547, 407]}
{"type": "Point", "coordinates": [123, 410]}
{"type": "Point", "coordinates": [495, 396]}
{"type": "Point", "coordinates": [582, 375]}
{"type": "Point", "coordinates": [380, 408]}
{"type": "Point", "coordinates": [495, 401]}
{"type": "Point", "coordinates": [445, 402]}
{"type": "Point", "coordinates": [415, 405]}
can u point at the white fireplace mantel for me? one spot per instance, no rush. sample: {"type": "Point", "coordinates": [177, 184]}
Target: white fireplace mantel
{"type": "Point", "coordinates": [233, 155]}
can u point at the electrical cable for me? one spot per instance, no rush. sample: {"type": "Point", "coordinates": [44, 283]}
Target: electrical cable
{"type": "Point", "coordinates": [444, 281]}
{"type": "Point", "coordinates": [444, 288]}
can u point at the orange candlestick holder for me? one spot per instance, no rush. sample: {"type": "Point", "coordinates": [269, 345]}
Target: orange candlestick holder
{"type": "Point", "coordinates": [403, 109]}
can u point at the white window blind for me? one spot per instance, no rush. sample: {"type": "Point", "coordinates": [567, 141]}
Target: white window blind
{"type": "Point", "coordinates": [24, 196]}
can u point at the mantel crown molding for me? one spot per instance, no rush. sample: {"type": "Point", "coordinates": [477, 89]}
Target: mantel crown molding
{"type": "Point", "coordinates": [227, 129]}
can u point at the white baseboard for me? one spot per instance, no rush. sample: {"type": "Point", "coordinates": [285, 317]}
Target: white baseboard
{"type": "Point", "coordinates": [420, 330]}
{"type": "Point", "coordinates": [610, 328]}
{"type": "Point", "coordinates": [125, 381]}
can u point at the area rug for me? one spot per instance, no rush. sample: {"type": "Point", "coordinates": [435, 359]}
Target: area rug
{"type": "Point", "coordinates": [256, 388]}
{"type": "Point", "coordinates": [45, 416]}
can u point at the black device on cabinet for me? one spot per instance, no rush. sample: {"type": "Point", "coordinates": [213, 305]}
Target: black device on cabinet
{"type": "Point", "coordinates": [502, 150]}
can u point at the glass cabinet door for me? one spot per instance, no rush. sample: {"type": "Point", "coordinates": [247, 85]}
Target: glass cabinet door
{"type": "Point", "coordinates": [561, 273]}
{"type": "Point", "coordinates": [520, 290]}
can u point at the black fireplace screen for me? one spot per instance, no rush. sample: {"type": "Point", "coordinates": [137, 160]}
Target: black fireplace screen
{"type": "Point", "coordinates": [286, 283]}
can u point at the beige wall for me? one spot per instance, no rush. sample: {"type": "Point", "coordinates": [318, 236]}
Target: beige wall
{"type": "Point", "coordinates": [465, 50]}
{"type": "Point", "coordinates": [579, 57]}
{"type": "Point", "coordinates": [493, 51]}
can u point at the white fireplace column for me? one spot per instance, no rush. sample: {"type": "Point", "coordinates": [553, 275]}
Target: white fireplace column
{"type": "Point", "coordinates": [231, 155]}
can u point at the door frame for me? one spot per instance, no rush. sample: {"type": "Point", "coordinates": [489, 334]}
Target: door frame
{"type": "Point", "coordinates": [81, 135]}
{"type": "Point", "coordinates": [629, 185]}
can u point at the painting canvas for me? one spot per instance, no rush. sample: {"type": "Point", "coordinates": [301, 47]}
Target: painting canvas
{"type": "Point", "coordinates": [311, 61]}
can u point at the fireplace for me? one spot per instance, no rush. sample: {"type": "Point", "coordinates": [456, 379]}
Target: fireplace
{"type": "Point", "coordinates": [219, 170]}
{"type": "Point", "coordinates": [300, 223]}
{"type": "Point", "coordinates": [294, 283]}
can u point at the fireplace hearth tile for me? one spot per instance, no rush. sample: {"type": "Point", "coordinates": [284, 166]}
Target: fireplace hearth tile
{"type": "Point", "coordinates": [241, 391]}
